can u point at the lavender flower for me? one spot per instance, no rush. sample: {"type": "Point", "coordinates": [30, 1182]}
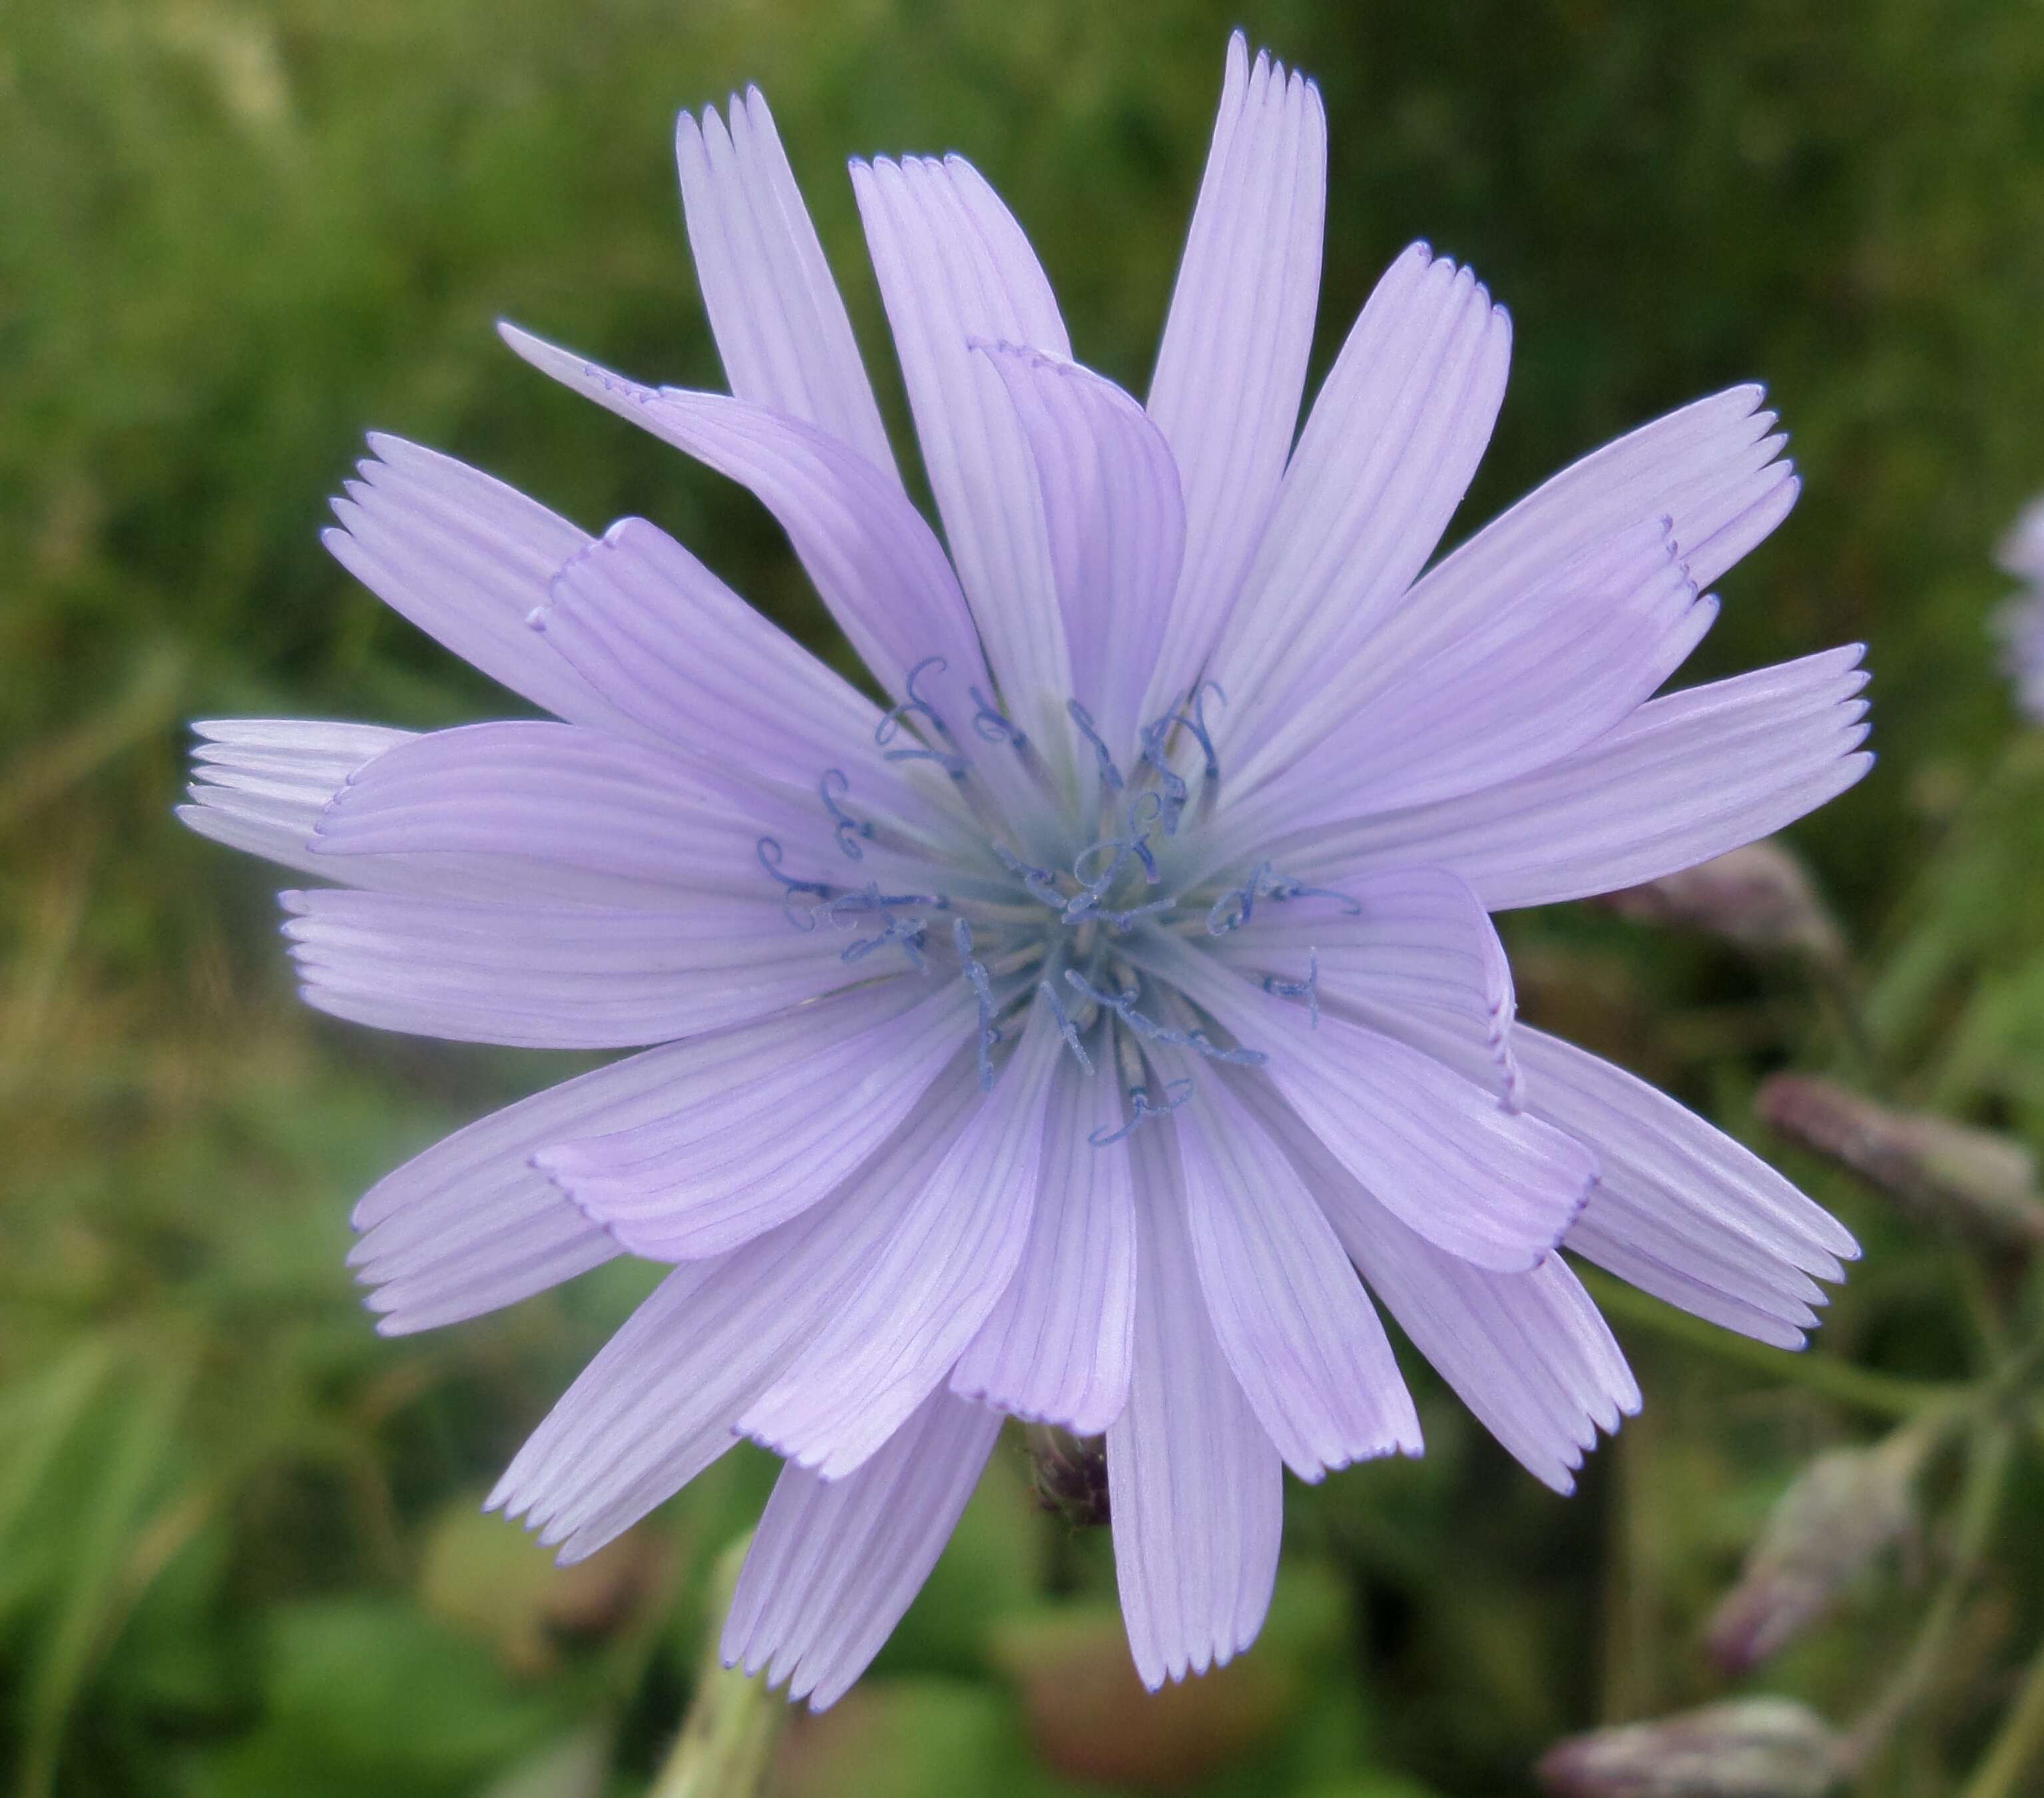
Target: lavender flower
{"type": "Point", "coordinates": [2019, 623]}
{"type": "Point", "coordinates": [1058, 1038]}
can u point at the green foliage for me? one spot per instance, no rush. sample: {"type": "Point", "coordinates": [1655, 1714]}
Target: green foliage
{"type": "Point", "coordinates": [362, 1694]}
{"type": "Point", "coordinates": [238, 1547]}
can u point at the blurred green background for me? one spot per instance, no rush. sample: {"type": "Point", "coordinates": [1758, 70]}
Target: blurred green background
{"type": "Point", "coordinates": [239, 1547]}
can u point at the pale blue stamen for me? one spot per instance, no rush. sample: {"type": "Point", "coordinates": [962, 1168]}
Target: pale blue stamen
{"type": "Point", "coordinates": [1042, 884]}
{"type": "Point", "coordinates": [1120, 848]}
{"type": "Point", "coordinates": [1125, 921]}
{"type": "Point", "coordinates": [975, 974]}
{"type": "Point", "coordinates": [1242, 897]}
{"type": "Point", "coordinates": [1283, 887]}
{"type": "Point", "coordinates": [816, 889]}
{"type": "Point", "coordinates": [889, 727]}
{"type": "Point", "coordinates": [1134, 847]}
{"type": "Point", "coordinates": [1123, 1005]}
{"type": "Point", "coordinates": [1084, 907]}
{"type": "Point", "coordinates": [1065, 1028]}
{"type": "Point", "coordinates": [908, 932]}
{"type": "Point", "coordinates": [870, 898]}
{"type": "Point", "coordinates": [992, 724]}
{"type": "Point", "coordinates": [1080, 907]}
{"type": "Point", "coordinates": [1175, 1095]}
{"type": "Point", "coordinates": [1213, 1050]}
{"type": "Point", "coordinates": [848, 829]}
{"type": "Point", "coordinates": [1309, 988]}
{"type": "Point", "coordinates": [1264, 883]}
{"type": "Point", "coordinates": [1197, 724]}
{"type": "Point", "coordinates": [1176, 793]}
{"type": "Point", "coordinates": [1139, 840]}
{"type": "Point", "coordinates": [1110, 775]}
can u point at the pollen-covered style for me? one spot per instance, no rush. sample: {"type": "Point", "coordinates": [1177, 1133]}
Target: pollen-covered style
{"type": "Point", "coordinates": [1092, 1029]}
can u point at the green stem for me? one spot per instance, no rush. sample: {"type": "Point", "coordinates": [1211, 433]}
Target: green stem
{"type": "Point", "coordinates": [1841, 993]}
{"type": "Point", "coordinates": [1882, 1393]}
{"type": "Point", "coordinates": [728, 1737]}
{"type": "Point", "coordinates": [2019, 1744]}
{"type": "Point", "coordinates": [1989, 1454]}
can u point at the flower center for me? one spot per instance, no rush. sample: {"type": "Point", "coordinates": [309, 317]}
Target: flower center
{"type": "Point", "coordinates": [1052, 873]}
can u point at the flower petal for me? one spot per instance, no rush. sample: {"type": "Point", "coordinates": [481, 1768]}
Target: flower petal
{"type": "Point", "coordinates": [953, 267]}
{"type": "Point", "coordinates": [653, 1409]}
{"type": "Point", "coordinates": [873, 560]}
{"type": "Point", "coordinates": [933, 1265]}
{"type": "Point", "coordinates": [1116, 524]}
{"type": "Point", "coordinates": [1232, 364]}
{"type": "Point", "coordinates": [1527, 1353]}
{"type": "Point", "coordinates": [1390, 447]}
{"type": "Point", "coordinates": [1420, 961]}
{"type": "Point", "coordinates": [472, 1224]}
{"type": "Point", "coordinates": [1436, 1149]}
{"type": "Point", "coordinates": [494, 1242]}
{"type": "Point", "coordinates": [677, 652]}
{"type": "Point", "coordinates": [260, 785]}
{"type": "Point", "coordinates": [778, 319]}
{"type": "Point", "coordinates": [1195, 1489]}
{"type": "Point", "coordinates": [1293, 1318]}
{"type": "Point", "coordinates": [556, 812]}
{"type": "Point", "coordinates": [1685, 777]}
{"type": "Point", "coordinates": [1710, 468]}
{"type": "Point", "coordinates": [562, 976]}
{"type": "Point", "coordinates": [661, 1401]}
{"type": "Point", "coordinates": [758, 1137]}
{"type": "Point", "coordinates": [1682, 1210]}
{"type": "Point", "coordinates": [1524, 688]}
{"type": "Point", "coordinates": [466, 558]}
{"type": "Point", "coordinates": [834, 1563]}
{"type": "Point", "coordinates": [1056, 1348]}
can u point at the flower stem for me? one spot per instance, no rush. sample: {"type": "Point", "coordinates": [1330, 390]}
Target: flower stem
{"type": "Point", "coordinates": [1882, 1393]}
{"type": "Point", "coordinates": [2019, 1743]}
{"type": "Point", "coordinates": [727, 1739]}
{"type": "Point", "coordinates": [1981, 1494]}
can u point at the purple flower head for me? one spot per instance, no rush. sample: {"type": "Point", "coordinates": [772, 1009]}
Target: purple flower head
{"type": "Point", "coordinates": [2019, 622]}
{"type": "Point", "coordinates": [1096, 1032]}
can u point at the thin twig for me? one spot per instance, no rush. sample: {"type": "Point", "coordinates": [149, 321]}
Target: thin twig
{"type": "Point", "coordinates": [1989, 1453]}
{"type": "Point", "coordinates": [1883, 1394]}
{"type": "Point", "coordinates": [2019, 1743]}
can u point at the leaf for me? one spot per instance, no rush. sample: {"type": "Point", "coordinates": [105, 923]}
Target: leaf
{"type": "Point", "coordinates": [38, 1419]}
{"type": "Point", "coordinates": [365, 1694]}
{"type": "Point", "coordinates": [94, 1600]}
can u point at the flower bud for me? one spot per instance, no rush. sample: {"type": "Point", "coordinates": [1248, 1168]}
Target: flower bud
{"type": "Point", "coordinates": [1759, 896]}
{"type": "Point", "coordinates": [1941, 1172]}
{"type": "Point", "coordinates": [1068, 1473]}
{"type": "Point", "coordinates": [1840, 1511]}
{"type": "Point", "coordinates": [1747, 1748]}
